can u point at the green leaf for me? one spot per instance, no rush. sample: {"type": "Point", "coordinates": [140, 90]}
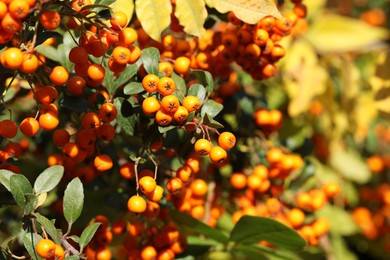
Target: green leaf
{"type": "Point", "coordinates": [31, 204]}
{"type": "Point", "coordinates": [341, 249]}
{"type": "Point", "coordinates": [154, 15]}
{"type": "Point", "coordinates": [150, 58]}
{"type": "Point", "coordinates": [126, 75]}
{"type": "Point", "coordinates": [249, 11]}
{"type": "Point", "coordinates": [198, 91]}
{"type": "Point", "coordinates": [164, 129]}
{"type": "Point", "coordinates": [250, 230]}
{"type": "Point", "coordinates": [248, 252]}
{"type": "Point", "coordinates": [20, 186]}
{"type": "Point", "coordinates": [191, 15]}
{"type": "Point", "coordinates": [209, 121]}
{"type": "Point", "coordinates": [48, 179]}
{"type": "Point", "coordinates": [109, 81]}
{"type": "Point", "coordinates": [73, 200]}
{"type": "Point", "coordinates": [197, 227]}
{"type": "Point", "coordinates": [205, 78]}
{"type": "Point", "coordinates": [5, 176]}
{"type": "Point", "coordinates": [133, 88]}
{"type": "Point", "coordinates": [29, 241]}
{"type": "Point", "coordinates": [49, 227]}
{"type": "Point", "coordinates": [49, 52]}
{"type": "Point", "coordinates": [88, 234]}
{"type": "Point", "coordinates": [127, 123]}
{"type": "Point", "coordinates": [211, 108]}
{"type": "Point", "coordinates": [75, 238]}
{"type": "Point", "coordinates": [180, 85]}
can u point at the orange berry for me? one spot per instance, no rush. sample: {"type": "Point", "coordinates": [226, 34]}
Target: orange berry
{"type": "Point", "coordinates": [191, 103]}
{"type": "Point", "coordinates": [156, 195]}
{"type": "Point", "coordinates": [90, 120]}
{"type": "Point", "coordinates": [119, 20]}
{"type": "Point", "coordinates": [46, 95]}
{"type": "Point", "coordinates": [166, 86]}
{"type": "Point", "coordinates": [76, 85]}
{"type": "Point", "coordinates": [127, 36]}
{"type": "Point", "coordinates": [202, 146]}
{"type": "Point", "coordinates": [8, 128]}
{"type": "Point", "coordinates": [181, 115]}
{"type": "Point", "coordinates": [238, 180]}
{"type": "Point", "coordinates": [182, 65]}
{"type": "Point", "coordinates": [48, 121]}
{"type": "Point", "coordinates": [78, 54]}
{"type": "Point", "coordinates": [30, 63]}
{"type": "Point", "coordinates": [217, 154]}
{"type": "Point", "coordinates": [148, 253]}
{"type": "Point", "coordinates": [121, 55]}
{"type": "Point", "coordinates": [45, 248]}
{"type": "Point", "coordinates": [174, 185]}
{"type": "Point", "coordinates": [108, 112]}
{"type": "Point", "coordinates": [50, 20]}
{"type": "Point", "coordinates": [59, 75]}
{"type": "Point", "coordinates": [162, 118]}
{"type": "Point", "coordinates": [375, 164]}
{"type": "Point", "coordinates": [296, 217]}
{"type": "Point", "coordinates": [29, 126]}
{"type": "Point", "coordinates": [150, 82]}
{"type": "Point", "coordinates": [165, 67]}
{"type": "Point", "coordinates": [147, 184]}
{"type": "Point", "coordinates": [136, 204]}
{"type": "Point", "coordinates": [13, 58]}
{"type": "Point", "coordinates": [199, 187]}
{"type": "Point", "coordinates": [226, 140]}
{"type": "Point", "coordinates": [103, 162]}
{"type": "Point", "coordinates": [127, 170]}
{"type": "Point", "coordinates": [150, 105]}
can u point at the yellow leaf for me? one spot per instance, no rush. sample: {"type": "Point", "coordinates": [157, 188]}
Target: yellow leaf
{"type": "Point", "coordinates": [41, 199]}
{"type": "Point", "coordinates": [211, 3]}
{"type": "Point", "coordinates": [336, 33]}
{"type": "Point", "coordinates": [191, 15]}
{"type": "Point", "coordinates": [249, 11]}
{"type": "Point", "coordinates": [154, 15]}
{"type": "Point", "coordinates": [305, 79]}
{"type": "Point", "coordinates": [126, 6]}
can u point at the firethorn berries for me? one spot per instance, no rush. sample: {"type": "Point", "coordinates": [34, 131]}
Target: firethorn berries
{"type": "Point", "coordinates": [150, 105]}
{"type": "Point", "coordinates": [46, 248]}
{"type": "Point", "coordinates": [8, 128]}
{"type": "Point", "coordinates": [182, 65]}
{"type": "Point", "coordinates": [147, 184]}
{"type": "Point", "coordinates": [150, 82]}
{"type": "Point", "coordinates": [156, 194]}
{"type": "Point", "coordinates": [50, 20]}
{"type": "Point", "coordinates": [59, 75]}
{"type": "Point", "coordinates": [226, 140]}
{"type": "Point", "coordinates": [13, 58]}
{"type": "Point", "coordinates": [181, 115]}
{"type": "Point", "coordinates": [108, 112]}
{"type": "Point", "coordinates": [29, 126]}
{"type": "Point", "coordinates": [202, 147]}
{"type": "Point", "coordinates": [174, 185]}
{"type": "Point", "coordinates": [217, 154]}
{"type": "Point", "coordinates": [166, 86]}
{"type": "Point", "coordinates": [103, 162]}
{"type": "Point", "coordinates": [191, 103]}
{"type": "Point", "coordinates": [136, 204]}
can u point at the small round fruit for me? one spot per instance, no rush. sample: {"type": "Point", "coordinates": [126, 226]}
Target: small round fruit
{"type": "Point", "coordinates": [227, 140]}
{"type": "Point", "coordinates": [136, 204]}
{"type": "Point", "coordinates": [147, 184]}
{"type": "Point", "coordinates": [45, 248]}
{"type": "Point", "coordinates": [218, 154]}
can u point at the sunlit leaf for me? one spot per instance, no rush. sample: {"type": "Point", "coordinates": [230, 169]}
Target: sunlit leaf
{"type": "Point", "coordinates": [336, 33]}
{"type": "Point", "coordinates": [306, 79]}
{"type": "Point", "coordinates": [150, 59]}
{"type": "Point", "coordinates": [348, 163]}
{"type": "Point", "coordinates": [154, 15]}
{"type": "Point", "coordinates": [5, 175]}
{"type": "Point", "coordinates": [191, 15]}
{"type": "Point", "coordinates": [249, 11]}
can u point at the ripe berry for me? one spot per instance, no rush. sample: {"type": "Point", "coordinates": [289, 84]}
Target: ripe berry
{"type": "Point", "coordinates": [136, 204]}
